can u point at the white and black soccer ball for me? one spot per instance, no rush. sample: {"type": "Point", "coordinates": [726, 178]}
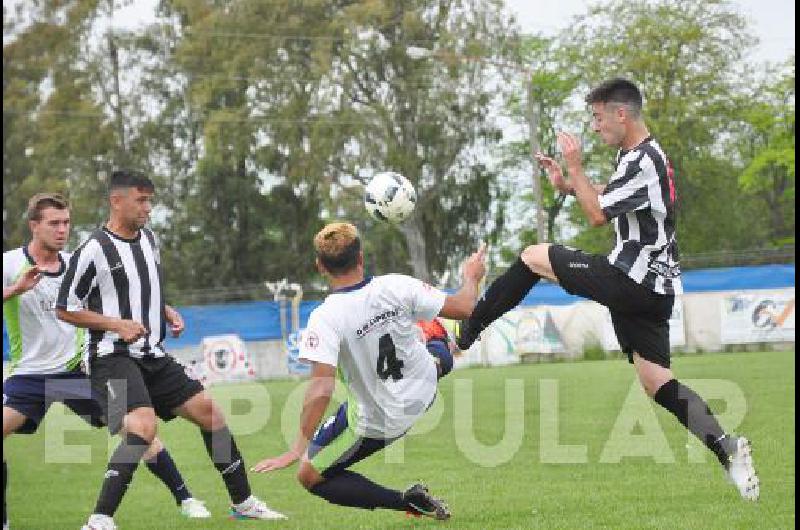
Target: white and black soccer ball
{"type": "Point", "coordinates": [390, 197]}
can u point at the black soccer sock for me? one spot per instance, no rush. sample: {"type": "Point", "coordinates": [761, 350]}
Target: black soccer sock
{"type": "Point", "coordinates": [229, 462]}
{"type": "Point", "coordinates": [693, 412]}
{"type": "Point", "coordinates": [167, 472]}
{"type": "Point", "coordinates": [504, 294]}
{"type": "Point", "coordinates": [119, 473]}
{"type": "Point", "coordinates": [351, 489]}
{"type": "Point", "coordinates": [5, 487]}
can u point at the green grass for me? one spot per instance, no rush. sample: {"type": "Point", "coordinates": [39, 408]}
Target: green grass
{"type": "Point", "coordinates": [523, 492]}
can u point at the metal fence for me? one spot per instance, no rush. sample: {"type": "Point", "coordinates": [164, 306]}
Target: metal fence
{"type": "Point", "coordinates": [259, 291]}
{"type": "Point", "coordinates": [738, 258]}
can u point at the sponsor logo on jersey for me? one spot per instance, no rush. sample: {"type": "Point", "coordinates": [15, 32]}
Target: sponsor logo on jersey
{"type": "Point", "coordinates": [664, 270]}
{"type": "Point", "coordinates": [375, 321]}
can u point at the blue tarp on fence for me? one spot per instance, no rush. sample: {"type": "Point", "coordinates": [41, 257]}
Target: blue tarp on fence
{"type": "Point", "coordinates": [261, 320]}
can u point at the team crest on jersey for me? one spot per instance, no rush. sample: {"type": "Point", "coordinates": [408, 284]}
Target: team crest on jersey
{"type": "Point", "coordinates": [47, 304]}
{"type": "Point", "coordinates": [312, 340]}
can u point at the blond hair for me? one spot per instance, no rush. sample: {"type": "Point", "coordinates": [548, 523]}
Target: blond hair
{"type": "Point", "coordinates": [338, 246]}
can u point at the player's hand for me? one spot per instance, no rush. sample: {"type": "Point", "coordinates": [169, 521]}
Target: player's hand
{"type": "Point", "coordinates": [130, 330]}
{"type": "Point", "coordinates": [475, 266]}
{"type": "Point", "coordinates": [28, 280]}
{"type": "Point", "coordinates": [571, 149]}
{"type": "Point", "coordinates": [554, 173]}
{"type": "Point", "coordinates": [176, 324]}
{"type": "Point", "coordinates": [279, 462]}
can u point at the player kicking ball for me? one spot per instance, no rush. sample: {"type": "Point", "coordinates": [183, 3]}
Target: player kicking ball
{"type": "Point", "coordinates": [367, 329]}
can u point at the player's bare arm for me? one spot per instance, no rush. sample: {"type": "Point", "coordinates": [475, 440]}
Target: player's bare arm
{"type": "Point", "coordinates": [585, 192]}
{"type": "Point", "coordinates": [556, 176]}
{"type": "Point", "coordinates": [24, 283]}
{"type": "Point", "coordinates": [128, 330]}
{"type": "Point", "coordinates": [318, 396]}
{"type": "Point", "coordinates": [460, 305]}
{"type": "Point", "coordinates": [175, 320]}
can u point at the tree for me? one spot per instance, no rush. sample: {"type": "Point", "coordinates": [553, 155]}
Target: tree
{"type": "Point", "coordinates": [552, 86]}
{"type": "Point", "coordinates": [688, 58]}
{"type": "Point", "coordinates": [54, 134]}
{"type": "Point", "coordinates": [425, 117]}
{"type": "Point", "coordinates": [766, 145]}
{"type": "Point", "coordinates": [305, 114]}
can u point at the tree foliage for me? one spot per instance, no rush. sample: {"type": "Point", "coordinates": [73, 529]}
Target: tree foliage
{"type": "Point", "coordinates": [261, 121]}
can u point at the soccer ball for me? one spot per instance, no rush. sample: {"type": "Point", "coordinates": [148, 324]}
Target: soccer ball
{"type": "Point", "coordinates": [390, 196]}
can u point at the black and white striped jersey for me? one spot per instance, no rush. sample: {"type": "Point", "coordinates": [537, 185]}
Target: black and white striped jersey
{"type": "Point", "coordinates": [118, 278]}
{"type": "Point", "coordinates": [640, 199]}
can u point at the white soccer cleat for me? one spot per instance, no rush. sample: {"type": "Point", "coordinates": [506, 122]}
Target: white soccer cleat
{"type": "Point", "coordinates": [194, 509]}
{"type": "Point", "coordinates": [741, 471]}
{"type": "Point", "coordinates": [254, 508]}
{"type": "Point", "coordinates": [99, 522]}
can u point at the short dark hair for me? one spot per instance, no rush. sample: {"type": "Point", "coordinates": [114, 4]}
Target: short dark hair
{"type": "Point", "coordinates": [337, 246]}
{"type": "Point", "coordinates": [617, 90]}
{"type": "Point", "coordinates": [40, 201]}
{"type": "Point", "coordinates": [128, 178]}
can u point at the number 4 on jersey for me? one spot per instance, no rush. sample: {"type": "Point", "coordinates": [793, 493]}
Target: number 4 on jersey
{"type": "Point", "coordinates": [388, 363]}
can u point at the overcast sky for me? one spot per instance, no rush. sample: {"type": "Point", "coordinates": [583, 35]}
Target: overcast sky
{"type": "Point", "coordinates": [772, 21]}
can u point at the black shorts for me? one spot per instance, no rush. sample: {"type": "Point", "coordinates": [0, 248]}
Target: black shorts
{"type": "Point", "coordinates": [640, 316]}
{"type": "Point", "coordinates": [122, 384]}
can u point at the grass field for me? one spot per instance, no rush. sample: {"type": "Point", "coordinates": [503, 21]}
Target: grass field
{"type": "Point", "coordinates": [513, 486]}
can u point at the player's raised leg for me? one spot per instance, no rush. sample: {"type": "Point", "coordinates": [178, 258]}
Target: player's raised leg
{"type": "Point", "coordinates": [506, 292]}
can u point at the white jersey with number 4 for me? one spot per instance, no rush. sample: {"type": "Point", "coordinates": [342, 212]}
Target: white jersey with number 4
{"type": "Point", "coordinates": [369, 332]}
{"type": "Point", "coordinates": [39, 343]}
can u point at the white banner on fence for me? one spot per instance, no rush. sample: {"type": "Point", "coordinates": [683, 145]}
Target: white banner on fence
{"type": "Point", "coordinates": [224, 358]}
{"type": "Point", "coordinates": [763, 317]}
{"type": "Point", "coordinates": [677, 336]}
{"type": "Point", "coordinates": [524, 330]}
{"type": "Point", "coordinates": [532, 330]}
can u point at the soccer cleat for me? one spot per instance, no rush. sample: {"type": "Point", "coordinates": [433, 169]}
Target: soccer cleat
{"type": "Point", "coordinates": [421, 502]}
{"type": "Point", "coordinates": [194, 509]}
{"type": "Point", "coordinates": [254, 508]}
{"type": "Point", "coordinates": [740, 469]}
{"type": "Point", "coordinates": [468, 333]}
{"type": "Point", "coordinates": [99, 522]}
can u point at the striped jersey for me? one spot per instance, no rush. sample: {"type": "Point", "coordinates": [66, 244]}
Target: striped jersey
{"type": "Point", "coordinates": [39, 343]}
{"type": "Point", "coordinates": [118, 278]}
{"type": "Point", "coordinates": [640, 199]}
{"type": "Point", "coordinates": [369, 332]}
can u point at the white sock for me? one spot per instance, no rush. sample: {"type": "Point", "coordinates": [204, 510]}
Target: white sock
{"type": "Point", "coordinates": [100, 518]}
{"type": "Point", "coordinates": [245, 504]}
